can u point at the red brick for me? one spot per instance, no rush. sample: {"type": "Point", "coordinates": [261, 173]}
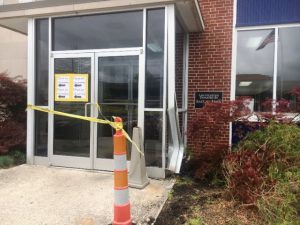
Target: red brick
{"type": "Point", "coordinates": [210, 59]}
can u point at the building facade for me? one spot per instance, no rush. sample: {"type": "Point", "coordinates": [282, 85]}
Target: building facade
{"type": "Point", "coordinates": [13, 53]}
{"type": "Point", "coordinates": [152, 62]}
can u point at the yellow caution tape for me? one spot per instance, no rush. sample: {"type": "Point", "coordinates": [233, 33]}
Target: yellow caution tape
{"type": "Point", "coordinates": [115, 125]}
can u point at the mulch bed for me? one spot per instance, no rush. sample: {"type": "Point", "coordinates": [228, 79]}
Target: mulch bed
{"type": "Point", "coordinates": [205, 204]}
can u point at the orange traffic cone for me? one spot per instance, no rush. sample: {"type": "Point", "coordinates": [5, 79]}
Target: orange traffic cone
{"type": "Point", "coordinates": [122, 215]}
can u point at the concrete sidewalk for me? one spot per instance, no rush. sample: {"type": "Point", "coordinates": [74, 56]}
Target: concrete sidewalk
{"type": "Point", "coordinates": [38, 195]}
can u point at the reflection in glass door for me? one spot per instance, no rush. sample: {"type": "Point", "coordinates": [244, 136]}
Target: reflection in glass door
{"type": "Point", "coordinates": [118, 78]}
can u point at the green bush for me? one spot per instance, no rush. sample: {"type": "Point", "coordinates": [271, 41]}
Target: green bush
{"type": "Point", "coordinates": [6, 161]}
{"type": "Point", "coordinates": [14, 157]}
{"type": "Point", "coordinates": [264, 171]}
{"type": "Point", "coordinates": [18, 156]}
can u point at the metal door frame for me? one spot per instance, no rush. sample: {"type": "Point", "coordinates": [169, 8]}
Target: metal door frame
{"type": "Point", "coordinates": [92, 162]}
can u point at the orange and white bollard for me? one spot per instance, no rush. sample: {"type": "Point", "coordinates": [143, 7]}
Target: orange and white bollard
{"type": "Point", "coordinates": [122, 215]}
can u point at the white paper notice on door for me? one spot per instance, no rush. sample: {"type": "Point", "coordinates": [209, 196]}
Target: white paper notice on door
{"type": "Point", "coordinates": [62, 87]}
{"type": "Point", "coordinates": [80, 87]}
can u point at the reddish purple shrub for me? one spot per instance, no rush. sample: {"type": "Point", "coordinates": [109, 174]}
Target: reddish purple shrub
{"type": "Point", "coordinates": [12, 113]}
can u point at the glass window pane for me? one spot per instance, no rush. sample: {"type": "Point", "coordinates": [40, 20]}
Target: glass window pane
{"type": "Point", "coordinates": [116, 30]}
{"type": "Point", "coordinates": [129, 115]}
{"type": "Point", "coordinates": [155, 58]}
{"type": "Point", "coordinates": [118, 79]}
{"type": "Point", "coordinates": [255, 65]}
{"type": "Point", "coordinates": [153, 138]}
{"type": "Point", "coordinates": [118, 96]}
{"type": "Point", "coordinates": [288, 64]}
{"type": "Point", "coordinates": [42, 61]}
{"type": "Point", "coordinates": [41, 134]}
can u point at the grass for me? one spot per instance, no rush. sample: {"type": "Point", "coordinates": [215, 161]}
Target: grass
{"type": "Point", "coordinates": [181, 181]}
{"type": "Point", "coordinates": [194, 221]}
{"type": "Point", "coordinates": [170, 194]}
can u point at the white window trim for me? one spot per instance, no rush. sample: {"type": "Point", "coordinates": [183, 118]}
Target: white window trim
{"type": "Point", "coordinates": [30, 92]}
{"type": "Point", "coordinates": [275, 69]}
{"type": "Point", "coordinates": [264, 27]}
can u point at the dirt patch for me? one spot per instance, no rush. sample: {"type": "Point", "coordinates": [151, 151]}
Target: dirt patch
{"type": "Point", "coordinates": [192, 203]}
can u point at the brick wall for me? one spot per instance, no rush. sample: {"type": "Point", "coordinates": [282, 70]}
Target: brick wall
{"type": "Point", "coordinates": [179, 67]}
{"type": "Point", "coordinates": [210, 60]}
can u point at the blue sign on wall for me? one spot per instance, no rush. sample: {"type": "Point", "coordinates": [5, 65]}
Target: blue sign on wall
{"type": "Point", "coordinates": [266, 12]}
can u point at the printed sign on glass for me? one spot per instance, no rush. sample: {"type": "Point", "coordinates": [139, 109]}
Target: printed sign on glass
{"type": "Point", "coordinates": [62, 87]}
{"type": "Point", "coordinates": [71, 87]}
{"type": "Point", "coordinates": [80, 86]}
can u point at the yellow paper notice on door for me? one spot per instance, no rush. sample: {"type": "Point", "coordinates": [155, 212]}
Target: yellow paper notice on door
{"type": "Point", "coordinates": [71, 87]}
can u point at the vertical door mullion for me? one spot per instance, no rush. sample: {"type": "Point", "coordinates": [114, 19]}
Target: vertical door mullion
{"type": "Point", "coordinates": [50, 95]}
{"type": "Point", "coordinates": [96, 100]}
{"type": "Point", "coordinates": [92, 110]}
{"type": "Point", "coordinates": [142, 73]}
{"type": "Point", "coordinates": [130, 100]}
{"type": "Point", "coordinates": [51, 106]}
{"type": "Point", "coordinates": [141, 93]}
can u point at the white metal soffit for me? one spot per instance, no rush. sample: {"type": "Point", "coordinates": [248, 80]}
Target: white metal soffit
{"type": "Point", "coordinates": [16, 24]}
{"type": "Point", "coordinates": [14, 16]}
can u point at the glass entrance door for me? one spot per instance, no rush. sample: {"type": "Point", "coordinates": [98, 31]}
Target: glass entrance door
{"type": "Point", "coordinates": [72, 79]}
{"type": "Point", "coordinates": [112, 80]}
{"type": "Point", "coordinates": [118, 95]}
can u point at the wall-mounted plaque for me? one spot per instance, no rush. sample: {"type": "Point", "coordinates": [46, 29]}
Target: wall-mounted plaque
{"type": "Point", "coordinates": [202, 97]}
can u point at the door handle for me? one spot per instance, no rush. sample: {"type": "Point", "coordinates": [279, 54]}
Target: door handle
{"type": "Point", "coordinates": [85, 108]}
{"type": "Point", "coordinates": [91, 104]}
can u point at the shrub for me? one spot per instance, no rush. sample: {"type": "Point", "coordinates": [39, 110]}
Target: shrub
{"type": "Point", "coordinates": [207, 128]}
{"type": "Point", "coordinates": [263, 168]}
{"type": "Point", "coordinates": [264, 171]}
{"type": "Point", "coordinates": [12, 113]}
{"type": "Point", "coordinates": [18, 156]}
{"type": "Point", "coordinates": [213, 119]}
{"type": "Point", "coordinates": [14, 157]}
{"type": "Point", "coordinates": [6, 161]}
